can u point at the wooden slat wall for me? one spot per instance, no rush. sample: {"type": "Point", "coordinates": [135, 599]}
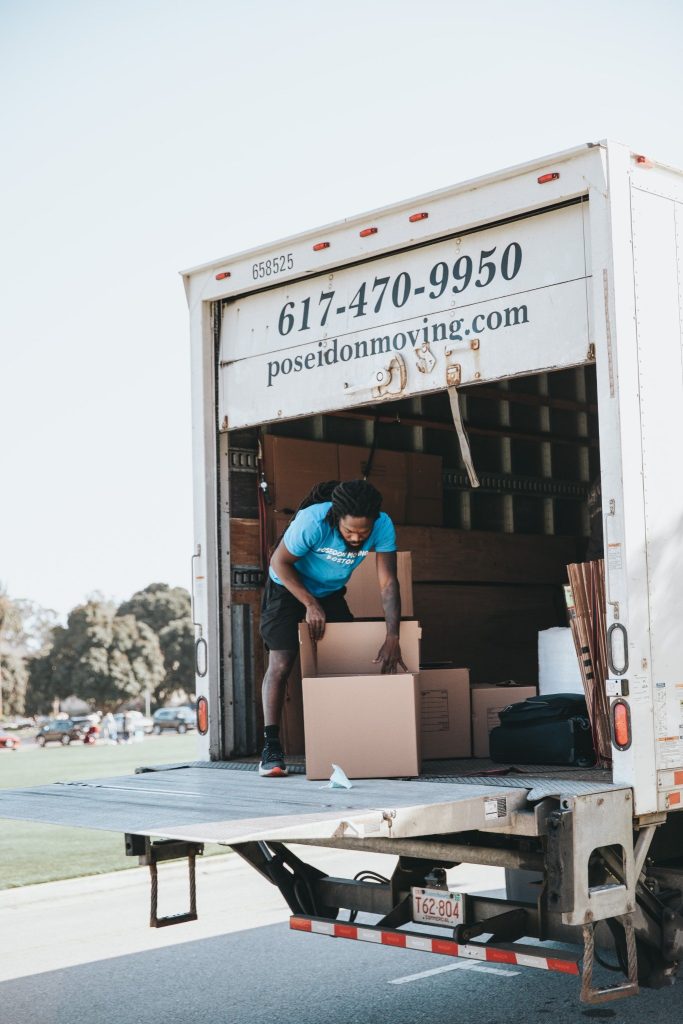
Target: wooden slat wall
{"type": "Point", "coordinates": [482, 557]}
{"type": "Point", "coordinates": [492, 630]}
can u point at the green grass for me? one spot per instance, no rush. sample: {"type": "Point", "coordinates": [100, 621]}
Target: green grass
{"type": "Point", "coordinates": [31, 852]}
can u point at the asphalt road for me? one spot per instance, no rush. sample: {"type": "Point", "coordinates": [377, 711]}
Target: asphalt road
{"type": "Point", "coordinates": [80, 950]}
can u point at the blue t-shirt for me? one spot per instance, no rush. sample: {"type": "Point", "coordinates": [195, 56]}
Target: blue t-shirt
{"type": "Point", "coordinates": [323, 560]}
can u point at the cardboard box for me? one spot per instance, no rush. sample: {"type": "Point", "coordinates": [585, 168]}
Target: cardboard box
{"type": "Point", "coordinates": [388, 474]}
{"type": "Point", "coordinates": [367, 723]}
{"type": "Point", "coordinates": [293, 466]}
{"type": "Point", "coordinates": [363, 594]}
{"type": "Point", "coordinates": [445, 712]}
{"type": "Point", "coordinates": [350, 648]}
{"type": "Point", "coordinates": [487, 702]}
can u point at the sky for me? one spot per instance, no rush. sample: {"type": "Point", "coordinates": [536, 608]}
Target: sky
{"type": "Point", "coordinates": [140, 138]}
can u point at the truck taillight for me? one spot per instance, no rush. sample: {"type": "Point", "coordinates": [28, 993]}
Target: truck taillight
{"type": "Point", "coordinates": [366, 232]}
{"type": "Point", "coordinates": [417, 216]}
{"type": "Point", "coordinates": [203, 716]}
{"type": "Point", "coordinates": [621, 725]}
{"type": "Point", "coordinates": [320, 245]}
{"type": "Point", "coordinates": [552, 176]}
{"type": "Point", "coordinates": [222, 276]}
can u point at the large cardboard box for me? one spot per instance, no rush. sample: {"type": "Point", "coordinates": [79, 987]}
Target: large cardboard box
{"type": "Point", "coordinates": [388, 474]}
{"type": "Point", "coordinates": [294, 466]}
{"type": "Point", "coordinates": [362, 591]}
{"type": "Point", "coordinates": [445, 712]}
{"type": "Point", "coordinates": [367, 723]}
{"type": "Point", "coordinates": [487, 702]}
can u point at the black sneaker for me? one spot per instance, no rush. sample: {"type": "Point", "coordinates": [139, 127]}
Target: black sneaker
{"type": "Point", "coordinates": [272, 760]}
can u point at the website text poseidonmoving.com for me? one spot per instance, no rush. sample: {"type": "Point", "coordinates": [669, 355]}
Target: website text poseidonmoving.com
{"type": "Point", "coordinates": [428, 332]}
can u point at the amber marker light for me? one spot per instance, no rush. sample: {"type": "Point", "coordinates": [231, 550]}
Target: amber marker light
{"type": "Point", "coordinates": [621, 725]}
{"type": "Point", "coordinates": [203, 716]}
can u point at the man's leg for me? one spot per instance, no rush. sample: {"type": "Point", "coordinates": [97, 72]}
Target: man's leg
{"type": "Point", "coordinates": [280, 664]}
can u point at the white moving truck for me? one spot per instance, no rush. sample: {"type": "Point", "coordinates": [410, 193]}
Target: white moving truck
{"type": "Point", "coordinates": [541, 307]}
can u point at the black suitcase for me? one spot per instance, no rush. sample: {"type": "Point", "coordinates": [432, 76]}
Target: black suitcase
{"type": "Point", "coordinates": [550, 729]}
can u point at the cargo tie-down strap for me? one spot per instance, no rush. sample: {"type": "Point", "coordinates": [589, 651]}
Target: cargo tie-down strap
{"type": "Point", "coordinates": [463, 440]}
{"type": "Point", "coordinates": [521, 956]}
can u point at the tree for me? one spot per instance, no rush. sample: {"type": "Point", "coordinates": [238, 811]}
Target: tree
{"type": "Point", "coordinates": [102, 657]}
{"type": "Point", "coordinates": [13, 679]}
{"type": "Point", "coordinates": [168, 611]}
{"type": "Point", "coordinates": [177, 645]}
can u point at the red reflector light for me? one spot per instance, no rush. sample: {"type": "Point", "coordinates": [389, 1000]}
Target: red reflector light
{"type": "Point", "coordinates": [553, 176]}
{"type": "Point", "coordinates": [299, 924]}
{"type": "Point", "coordinates": [367, 231]}
{"type": "Point", "coordinates": [621, 725]}
{"type": "Point", "coordinates": [202, 716]}
{"type": "Point", "coordinates": [222, 276]}
{"type": "Point", "coordinates": [644, 161]}
{"type": "Point", "coordinates": [320, 245]}
{"type": "Point", "coordinates": [417, 216]}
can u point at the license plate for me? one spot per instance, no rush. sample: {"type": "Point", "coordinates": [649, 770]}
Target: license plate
{"type": "Point", "coordinates": [438, 906]}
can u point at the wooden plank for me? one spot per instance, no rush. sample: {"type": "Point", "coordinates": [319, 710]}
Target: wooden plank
{"type": "Point", "coordinates": [480, 556]}
{"type": "Point", "coordinates": [245, 542]}
{"type": "Point", "coordinates": [252, 598]}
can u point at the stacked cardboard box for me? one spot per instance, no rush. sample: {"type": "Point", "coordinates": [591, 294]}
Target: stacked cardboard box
{"type": "Point", "coordinates": [445, 712]}
{"type": "Point", "coordinates": [363, 594]}
{"type": "Point", "coordinates": [410, 482]}
{"type": "Point", "coordinates": [488, 700]}
{"type": "Point", "coordinates": [354, 716]}
{"type": "Point", "coordinates": [443, 692]}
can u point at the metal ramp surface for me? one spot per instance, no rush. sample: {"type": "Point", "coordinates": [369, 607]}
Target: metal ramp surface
{"type": "Point", "coordinates": [236, 805]}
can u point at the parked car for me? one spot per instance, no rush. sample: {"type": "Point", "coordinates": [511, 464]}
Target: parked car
{"type": "Point", "coordinates": [9, 742]}
{"type": "Point", "coordinates": [62, 730]}
{"type": "Point", "coordinates": [180, 719]}
{"type": "Point", "coordinates": [19, 723]}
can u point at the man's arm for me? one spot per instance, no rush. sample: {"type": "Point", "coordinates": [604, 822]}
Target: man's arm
{"type": "Point", "coordinates": [390, 651]}
{"type": "Point", "coordinates": [282, 562]}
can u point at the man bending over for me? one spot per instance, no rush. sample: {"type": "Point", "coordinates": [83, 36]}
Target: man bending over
{"type": "Point", "coordinates": [336, 526]}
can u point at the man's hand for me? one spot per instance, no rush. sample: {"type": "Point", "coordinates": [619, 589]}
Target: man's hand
{"type": "Point", "coordinates": [389, 655]}
{"type": "Point", "coordinates": [315, 619]}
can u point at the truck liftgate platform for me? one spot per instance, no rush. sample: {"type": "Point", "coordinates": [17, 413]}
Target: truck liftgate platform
{"type": "Point", "coordinates": [521, 822]}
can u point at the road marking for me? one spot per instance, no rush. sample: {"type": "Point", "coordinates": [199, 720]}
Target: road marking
{"type": "Point", "coordinates": [461, 965]}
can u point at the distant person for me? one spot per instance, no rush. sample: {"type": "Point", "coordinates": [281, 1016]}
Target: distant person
{"type": "Point", "coordinates": [336, 526]}
{"type": "Point", "coordinates": [127, 727]}
{"type": "Point", "coordinates": [109, 728]}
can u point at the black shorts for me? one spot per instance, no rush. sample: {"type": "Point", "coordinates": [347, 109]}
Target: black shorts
{"type": "Point", "coordinates": [281, 614]}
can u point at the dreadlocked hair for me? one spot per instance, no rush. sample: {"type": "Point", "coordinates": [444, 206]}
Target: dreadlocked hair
{"type": "Point", "coordinates": [356, 498]}
{"type": "Point", "coordinates": [353, 498]}
{"type": "Point", "coordinates": [318, 494]}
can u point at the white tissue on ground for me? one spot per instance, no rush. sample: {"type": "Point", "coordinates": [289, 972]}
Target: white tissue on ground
{"type": "Point", "coordinates": [338, 779]}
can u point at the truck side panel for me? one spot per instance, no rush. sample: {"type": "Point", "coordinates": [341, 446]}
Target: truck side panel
{"type": "Point", "coordinates": [657, 223]}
